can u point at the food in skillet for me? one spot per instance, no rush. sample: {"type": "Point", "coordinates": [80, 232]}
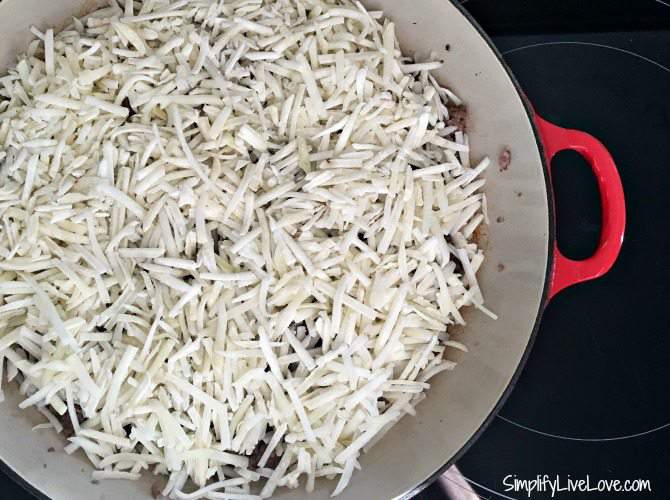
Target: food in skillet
{"type": "Point", "coordinates": [233, 238]}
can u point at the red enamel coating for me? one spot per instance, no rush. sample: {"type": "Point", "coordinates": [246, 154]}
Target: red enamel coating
{"type": "Point", "coordinates": [567, 272]}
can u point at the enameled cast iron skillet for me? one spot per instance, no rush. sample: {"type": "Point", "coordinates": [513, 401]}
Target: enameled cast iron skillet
{"type": "Point", "coordinates": [524, 268]}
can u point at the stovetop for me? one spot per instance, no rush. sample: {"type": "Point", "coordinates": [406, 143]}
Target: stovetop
{"type": "Point", "coordinates": [593, 398]}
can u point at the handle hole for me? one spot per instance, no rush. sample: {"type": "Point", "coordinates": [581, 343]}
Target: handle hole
{"type": "Point", "coordinates": [577, 205]}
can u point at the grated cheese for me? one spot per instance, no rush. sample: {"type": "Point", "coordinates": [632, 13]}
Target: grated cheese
{"type": "Point", "coordinates": [231, 227]}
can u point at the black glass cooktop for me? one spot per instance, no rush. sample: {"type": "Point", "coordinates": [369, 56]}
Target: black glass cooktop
{"type": "Point", "coordinates": [593, 399]}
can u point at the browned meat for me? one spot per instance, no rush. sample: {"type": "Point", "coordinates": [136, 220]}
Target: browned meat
{"type": "Point", "coordinates": [68, 430]}
{"type": "Point", "coordinates": [457, 116]}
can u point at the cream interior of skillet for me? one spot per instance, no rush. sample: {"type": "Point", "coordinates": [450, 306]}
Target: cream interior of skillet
{"type": "Point", "coordinates": [234, 238]}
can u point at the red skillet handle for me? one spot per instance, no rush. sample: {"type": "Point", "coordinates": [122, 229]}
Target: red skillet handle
{"type": "Point", "coordinates": [566, 271]}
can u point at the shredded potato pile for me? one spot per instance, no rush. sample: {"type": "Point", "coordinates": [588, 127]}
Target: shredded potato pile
{"type": "Point", "coordinates": [233, 237]}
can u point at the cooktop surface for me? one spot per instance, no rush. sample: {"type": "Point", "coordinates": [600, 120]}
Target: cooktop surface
{"type": "Point", "coordinates": [593, 399]}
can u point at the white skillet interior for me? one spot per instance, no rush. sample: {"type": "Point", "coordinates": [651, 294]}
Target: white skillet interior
{"type": "Point", "coordinates": [459, 401]}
